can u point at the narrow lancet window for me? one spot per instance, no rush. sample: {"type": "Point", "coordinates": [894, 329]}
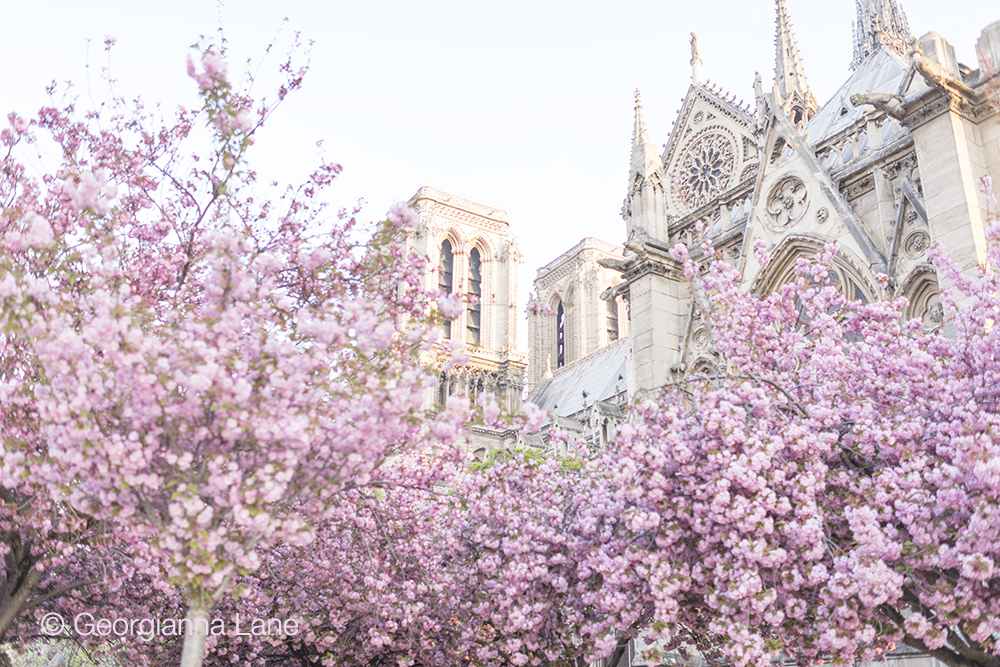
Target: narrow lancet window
{"type": "Point", "coordinates": [446, 270]}
{"type": "Point", "coordinates": [560, 336]}
{"type": "Point", "coordinates": [475, 311]}
{"type": "Point", "coordinates": [612, 320]}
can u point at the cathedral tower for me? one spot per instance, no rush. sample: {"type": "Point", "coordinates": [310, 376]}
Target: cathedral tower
{"type": "Point", "coordinates": [471, 253]}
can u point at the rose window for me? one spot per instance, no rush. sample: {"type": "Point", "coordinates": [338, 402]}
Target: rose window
{"type": "Point", "coordinates": [707, 170]}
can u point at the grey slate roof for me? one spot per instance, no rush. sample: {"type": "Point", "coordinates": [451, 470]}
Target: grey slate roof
{"type": "Point", "coordinates": [602, 375]}
{"type": "Point", "coordinates": [882, 72]}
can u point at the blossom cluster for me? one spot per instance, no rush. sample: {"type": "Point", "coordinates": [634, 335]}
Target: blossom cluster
{"type": "Point", "coordinates": [833, 491]}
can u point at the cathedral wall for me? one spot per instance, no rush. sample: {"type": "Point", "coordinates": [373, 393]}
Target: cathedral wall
{"type": "Point", "coordinates": [577, 281]}
{"type": "Point", "coordinates": [495, 364]}
{"type": "Point", "coordinates": [659, 304]}
{"type": "Point", "coordinates": [951, 157]}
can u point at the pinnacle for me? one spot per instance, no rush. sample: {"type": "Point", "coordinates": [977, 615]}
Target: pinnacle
{"type": "Point", "coordinates": [789, 73]}
{"type": "Point", "coordinates": [879, 24]}
{"type": "Point", "coordinates": [643, 151]}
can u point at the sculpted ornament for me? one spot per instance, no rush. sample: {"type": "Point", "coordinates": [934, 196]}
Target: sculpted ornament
{"type": "Point", "coordinates": [935, 313]}
{"type": "Point", "coordinates": [787, 203]}
{"type": "Point", "coordinates": [916, 243]}
{"type": "Point", "coordinates": [706, 169]}
{"type": "Point", "coordinates": [700, 339]}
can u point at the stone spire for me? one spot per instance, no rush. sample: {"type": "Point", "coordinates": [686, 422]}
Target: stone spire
{"type": "Point", "coordinates": [644, 154]}
{"type": "Point", "coordinates": [791, 92]}
{"type": "Point", "coordinates": [643, 203]}
{"type": "Point", "coordinates": [880, 23]}
{"type": "Point", "coordinates": [695, 60]}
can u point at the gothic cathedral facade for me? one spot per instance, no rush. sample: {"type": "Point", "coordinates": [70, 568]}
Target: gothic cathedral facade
{"type": "Point", "coordinates": [886, 168]}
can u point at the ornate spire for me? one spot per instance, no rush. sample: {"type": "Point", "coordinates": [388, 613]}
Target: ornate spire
{"type": "Point", "coordinates": [645, 194]}
{"type": "Point", "coordinates": [791, 92]}
{"type": "Point", "coordinates": [644, 154]}
{"type": "Point", "coordinates": [695, 60]}
{"type": "Point", "coordinates": [880, 23]}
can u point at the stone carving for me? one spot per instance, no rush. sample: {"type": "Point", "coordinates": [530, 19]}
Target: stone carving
{"type": "Point", "coordinates": [455, 215]}
{"type": "Point", "coordinates": [903, 166]}
{"type": "Point", "coordinates": [928, 111]}
{"type": "Point", "coordinates": [911, 215]}
{"type": "Point", "coordinates": [915, 244]}
{"type": "Point", "coordinates": [749, 171]}
{"type": "Point", "coordinates": [787, 203]}
{"type": "Point", "coordinates": [706, 169]}
{"type": "Point", "coordinates": [890, 103]}
{"type": "Point", "coordinates": [822, 215]}
{"type": "Point", "coordinates": [935, 313]}
{"type": "Point", "coordinates": [937, 76]}
{"type": "Point", "coordinates": [699, 117]}
{"type": "Point", "coordinates": [700, 339]}
{"type": "Point", "coordinates": [859, 187]}
{"type": "Point", "coordinates": [978, 112]}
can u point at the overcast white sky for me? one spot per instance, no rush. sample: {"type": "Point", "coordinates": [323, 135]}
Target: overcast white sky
{"type": "Point", "coordinates": [521, 104]}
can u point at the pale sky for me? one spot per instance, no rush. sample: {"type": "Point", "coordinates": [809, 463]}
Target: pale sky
{"type": "Point", "coordinates": [523, 105]}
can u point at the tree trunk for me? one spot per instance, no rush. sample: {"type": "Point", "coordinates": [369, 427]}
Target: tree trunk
{"type": "Point", "coordinates": [620, 651]}
{"type": "Point", "coordinates": [14, 603]}
{"type": "Point", "coordinates": [194, 640]}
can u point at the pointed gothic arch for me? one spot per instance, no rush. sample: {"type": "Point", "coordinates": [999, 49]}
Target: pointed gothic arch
{"type": "Point", "coordinates": [611, 318]}
{"type": "Point", "coordinates": [446, 276]}
{"type": "Point", "coordinates": [922, 290]}
{"type": "Point", "coordinates": [854, 282]}
{"type": "Point", "coordinates": [474, 312]}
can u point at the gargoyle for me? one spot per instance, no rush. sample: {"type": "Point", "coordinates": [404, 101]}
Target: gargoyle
{"type": "Point", "coordinates": [937, 76]}
{"type": "Point", "coordinates": [612, 263]}
{"type": "Point", "coordinates": [888, 102]}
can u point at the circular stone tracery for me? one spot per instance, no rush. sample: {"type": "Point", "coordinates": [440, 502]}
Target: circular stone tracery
{"type": "Point", "coordinates": [787, 203]}
{"type": "Point", "coordinates": [706, 169]}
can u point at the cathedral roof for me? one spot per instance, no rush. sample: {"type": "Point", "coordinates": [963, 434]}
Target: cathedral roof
{"type": "Point", "coordinates": [881, 71]}
{"type": "Point", "coordinates": [596, 377]}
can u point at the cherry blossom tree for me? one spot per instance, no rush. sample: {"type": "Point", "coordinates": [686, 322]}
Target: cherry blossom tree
{"type": "Point", "coordinates": [197, 373]}
{"type": "Point", "coordinates": [499, 568]}
{"type": "Point", "coordinates": [835, 491]}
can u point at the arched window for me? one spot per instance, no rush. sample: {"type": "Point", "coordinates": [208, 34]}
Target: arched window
{"type": "Point", "coordinates": [851, 290]}
{"type": "Point", "coordinates": [612, 319]}
{"type": "Point", "coordinates": [443, 389]}
{"type": "Point", "coordinates": [560, 336]}
{"type": "Point", "coordinates": [446, 280]}
{"type": "Point", "coordinates": [475, 312]}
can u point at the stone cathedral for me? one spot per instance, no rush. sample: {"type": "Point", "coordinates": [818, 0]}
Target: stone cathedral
{"type": "Point", "coordinates": [886, 167]}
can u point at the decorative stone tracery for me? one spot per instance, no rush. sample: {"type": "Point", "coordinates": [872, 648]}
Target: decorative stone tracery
{"type": "Point", "coordinates": [916, 244]}
{"type": "Point", "coordinates": [707, 168]}
{"type": "Point", "coordinates": [787, 203]}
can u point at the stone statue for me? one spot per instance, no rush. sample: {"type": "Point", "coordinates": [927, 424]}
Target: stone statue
{"type": "Point", "coordinates": [938, 77]}
{"type": "Point", "coordinates": [890, 103]}
{"type": "Point", "coordinates": [612, 263]}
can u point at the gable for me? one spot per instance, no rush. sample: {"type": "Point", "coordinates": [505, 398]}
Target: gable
{"type": "Point", "coordinates": [711, 150]}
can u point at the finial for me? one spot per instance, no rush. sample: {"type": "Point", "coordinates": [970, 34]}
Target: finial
{"type": "Point", "coordinates": [695, 60]}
